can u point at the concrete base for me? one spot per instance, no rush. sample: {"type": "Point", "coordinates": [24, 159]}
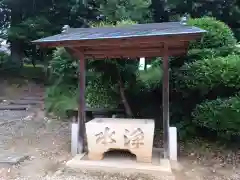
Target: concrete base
{"type": "Point", "coordinates": [74, 139]}
{"type": "Point", "coordinates": [173, 143]}
{"type": "Point", "coordinates": [118, 161]}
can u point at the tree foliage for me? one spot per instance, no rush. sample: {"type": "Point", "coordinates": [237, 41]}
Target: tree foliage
{"type": "Point", "coordinates": [220, 115]}
{"type": "Point", "coordinates": [118, 10]}
{"type": "Point", "coordinates": [207, 74]}
{"type": "Point", "coordinates": [227, 11]}
{"type": "Point", "coordinates": [63, 67]}
{"type": "Point", "coordinates": [218, 33]}
{"type": "Point", "coordinates": [24, 20]}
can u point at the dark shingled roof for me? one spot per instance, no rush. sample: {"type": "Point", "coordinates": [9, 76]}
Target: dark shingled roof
{"type": "Point", "coordinates": [139, 30]}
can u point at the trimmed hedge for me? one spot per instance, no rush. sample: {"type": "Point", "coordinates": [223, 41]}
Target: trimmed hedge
{"type": "Point", "coordinates": [204, 75]}
{"type": "Point", "coordinates": [198, 54]}
{"type": "Point", "coordinates": [218, 33]}
{"type": "Point", "coordinates": [220, 115]}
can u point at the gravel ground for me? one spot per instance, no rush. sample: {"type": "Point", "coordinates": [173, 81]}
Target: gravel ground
{"type": "Point", "coordinates": [91, 175]}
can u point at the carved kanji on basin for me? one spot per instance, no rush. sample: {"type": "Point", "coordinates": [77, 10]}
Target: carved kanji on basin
{"type": "Point", "coordinates": [135, 135]}
{"type": "Point", "coordinates": [134, 139]}
{"type": "Point", "coordinates": [106, 137]}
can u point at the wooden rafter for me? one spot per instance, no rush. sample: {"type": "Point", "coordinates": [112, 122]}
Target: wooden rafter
{"type": "Point", "coordinates": [179, 48]}
{"type": "Point", "coordinates": [132, 54]}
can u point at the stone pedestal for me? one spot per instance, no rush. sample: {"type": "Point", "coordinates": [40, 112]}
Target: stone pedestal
{"type": "Point", "coordinates": [135, 135]}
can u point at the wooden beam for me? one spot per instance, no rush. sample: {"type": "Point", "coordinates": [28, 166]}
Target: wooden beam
{"type": "Point", "coordinates": [121, 50]}
{"type": "Point", "coordinates": [72, 52]}
{"type": "Point", "coordinates": [132, 53]}
{"type": "Point", "coordinates": [129, 50]}
{"type": "Point", "coordinates": [135, 47]}
{"type": "Point", "coordinates": [119, 46]}
{"type": "Point", "coordinates": [165, 102]}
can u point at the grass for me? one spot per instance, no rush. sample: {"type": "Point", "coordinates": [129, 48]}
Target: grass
{"type": "Point", "coordinates": [59, 99]}
{"type": "Point", "coordinates": [27, 72]}
{"type": "Point", "coordinates": [31, 72]}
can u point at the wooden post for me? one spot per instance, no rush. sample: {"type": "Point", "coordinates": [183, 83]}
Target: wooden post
{"type": "Point", "coordinates": [81, 109]}
{"type": "Point", "coordinates": [165, 102]}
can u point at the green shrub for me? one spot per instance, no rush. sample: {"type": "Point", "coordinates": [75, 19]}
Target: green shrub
{"type": "Point", "coordinates": [4, 61]}
{"type": "Point", "coordinates": [218, 33]}
{"type": "Point", "coordinates": [99, 95]}
{"type": "Point", "coordinates": [206, 74]}
{"type": "Point", "coordinates": [63, 66]}
{"type": "Point", "coordinates": [151, 78]}
{"type": "Point", "coordinates": [156, 62]}
{"type": "Point", "coordinates": [59, 99]}
{"type": "Point", "coordinates": [198, 54]}
{"type": "Point", "coordinates": [3, 57]}
{"type": "Point", "coordinates": [210, 69]}
{"type": "Point", "coordinates": [220, 115]}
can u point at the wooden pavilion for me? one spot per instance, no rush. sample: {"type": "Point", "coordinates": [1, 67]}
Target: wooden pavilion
{"type": "Point", "coordinates": [130, 41]}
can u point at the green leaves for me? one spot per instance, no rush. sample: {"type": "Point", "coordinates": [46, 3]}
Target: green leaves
{"type": "Point", "coordinates": [63, 67]}
{"type": "Point", "coordinates": [4, 60]}
{"type": "Point", "coordinates": [60, 98]}
{"type": "Point", "coordinates": [30, 29]}
{"type": "Point", "coordinates": [118, 10]}
{"type": "Point", "coordinates": [206, 74]}
{"type": "Point", "coordinates": [101, 95]}
{"type": "Point", "coordinates": [218, 33]}
{"type": "Point", "coordinates": [220, 115]}
{"type": "Point", "coordinates": [151, 78]}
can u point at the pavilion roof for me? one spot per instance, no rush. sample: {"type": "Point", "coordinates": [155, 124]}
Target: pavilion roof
{"type": "Point", "coordinates": [138, 30]}
{"type": "Point", "coordinates": [128, 41]}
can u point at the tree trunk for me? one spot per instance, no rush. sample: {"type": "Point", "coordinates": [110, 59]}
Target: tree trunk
{"type": "Point", "coordinates": [16, 54]}
{"type": "Point", "coordinates": [15, 44]}
{"type": "Point", "coordinates": [145, 65]}
{"type": "Point", "coordinates": [123, 96]}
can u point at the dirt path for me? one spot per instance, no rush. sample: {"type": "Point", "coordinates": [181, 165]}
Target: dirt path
{"type": "Point", "coordinates": [30, 132]}
{"type": "Point", "coordinates": [47, 143]}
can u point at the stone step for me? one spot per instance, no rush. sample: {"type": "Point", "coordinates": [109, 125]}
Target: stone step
{"type": "Point", "coordinates": [33, 98]}
{"type": "Point", "coordinates": [12, 158]}
{"type": "Point", "coordinates": [2, 99]}
{"type": "Point", "coordinates": [25, 102]}
{"type": "Point", "coordinates": [14, 107]}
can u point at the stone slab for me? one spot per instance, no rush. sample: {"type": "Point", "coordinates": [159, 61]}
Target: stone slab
{"type": "Point", "coordinates": [14, 107]}
{"type": "Point", "coordinates": [25, 102]}
{"type": "Point", "coordinates": [3, 99]}
{"type": "Point", "coordinates": [32, 98]}
{"type": "Point", "coordinates": [122, 163]}
{"type": "Point", "coordinates": [12, 158]}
